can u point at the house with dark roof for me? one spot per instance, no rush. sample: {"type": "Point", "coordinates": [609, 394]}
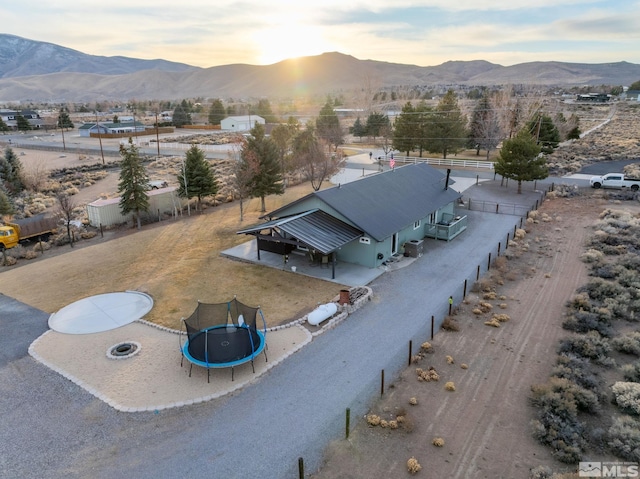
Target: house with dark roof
{"type": "Point", "coordinates": [10, 118]}
{"type": "Point", "coordinates": [367, 221]}
{"type": "Point", "coordinates": [87, 129]}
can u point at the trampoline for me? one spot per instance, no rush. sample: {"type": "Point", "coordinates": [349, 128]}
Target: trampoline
{"type": "Point", "coordinates": [223, 335]}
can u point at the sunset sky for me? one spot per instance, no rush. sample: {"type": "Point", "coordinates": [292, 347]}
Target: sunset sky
{"type": "Point", "coordinates": [205, 33]}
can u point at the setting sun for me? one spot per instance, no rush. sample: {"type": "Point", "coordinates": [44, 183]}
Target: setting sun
{"type": "Point", "coordinates": [277, 44]}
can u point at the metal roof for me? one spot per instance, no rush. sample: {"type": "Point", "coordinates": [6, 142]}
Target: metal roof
{"type": "Point", "coordinates": [315, 228]}
{"type": "Point", "coordinates": [385, 203]}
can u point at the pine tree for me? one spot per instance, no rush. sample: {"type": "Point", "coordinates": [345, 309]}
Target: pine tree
{"type": "Point", "coordinates": [64, 121]}
{"type": "Point", "coordinates": [358, 129]}
{"type": "Point", "coordinates": [405, 131]}
{"type": "Point", "coordinates": [134, 182]}
{"type": "Point", "coordinates": [328, 126]}
{"type": "Point", "coordinates": [217, 113]}
{"type": "Point", "coordinates": [263, 109]}
{"type": "Point", "coordinates": [3, 126]}
{"type": "Point", "coordinates": [377, 123]}
{"type": "Point", "coordinates": [6, 208]}
{"type": "Point", "coordinates": [11, 172]}
{"type": "Point", "coordinates": [520, 159]}
{"type": "Point", "coordinates": [22, 123]}
{"type": "Point", "coordinates": [197, 179]}
{"type": "Point", "coordinates": [447, 130]}
{"type": "Point", "coordinates": [181, 116]}
{"type": "Point", "coordinates": [260, 166]}
{"type": "Point", "coordinates": [547, 134]}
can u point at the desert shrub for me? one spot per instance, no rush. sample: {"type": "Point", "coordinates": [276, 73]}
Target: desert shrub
{"type": "Point", "coordinates": [628, 278]}
{"type": "Point", "coordinates": [628, 343]}
{"type": "Point", "coordinates": [584, 399]}
{"type": "Point", "coordinates": [631, 372]}
{"type": "Point", "coordinates": [599, 289]}
{"type": "Point", "coordinates": [591, 345]}
{"type": "Point", "coordinates": [585, 321]}
{"type": "Point", "coordinates": [426, 347]}
{"type": "Point", "coordinates": [450, 386]}
{"type": "Point", "coordinates": [607, 271]}
{"type": "Point", "coordinates": [413, 466]}
{"type": "Point", "coordinates": [541, 472]}
{"type": "Point", "coordinates": [413, 401]}
{"type": "Point", "coordinates": [580, 302]}
{"type": "Point", "coordinates": [578, 370]}
{"type": "Point", "coordinates": [373, 419]}
{"type": "Point", "coordinates": [624, 438]}
{"type": "Point", "coordinates": [485, 307]}
{"type": "Point", "coordinates": [630, 261]}
{"type": "Point", "coordinates": [450, 324]}
{"type": "Point", "coordinates": [493, 322]}
{"type": "Point", "coordinates": [17, 252]}
{"type": "Point", "coordinates": [563, 434]}
{"type": "Point", "coordinates": [627, 396]}
{"type": "Point", "coordinates": [429, 375]}
{"type": "Point", "coordinates": [438, 442]}
{"type": "Point", "coordinates": [42, 246]}
{"type": "Point", "coordinates": [591, 256]}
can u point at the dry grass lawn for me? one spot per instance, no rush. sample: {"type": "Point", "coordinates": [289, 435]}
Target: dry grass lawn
{"type": "Point", "coordinates": [177, 262]}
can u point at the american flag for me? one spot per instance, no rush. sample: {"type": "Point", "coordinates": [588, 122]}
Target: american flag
{"type": "Point", "coordinates": [392, 163]}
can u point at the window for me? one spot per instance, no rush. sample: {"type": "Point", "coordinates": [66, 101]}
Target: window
{"type": "Point", "coordinates": [416, 225]}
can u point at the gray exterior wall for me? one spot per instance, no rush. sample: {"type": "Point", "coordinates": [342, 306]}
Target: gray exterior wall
{"type": "Point", "coordinates": [358, 252]}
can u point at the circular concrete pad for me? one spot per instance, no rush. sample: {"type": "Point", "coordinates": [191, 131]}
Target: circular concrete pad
{"type": "Point", "coordinates": [102, 312]}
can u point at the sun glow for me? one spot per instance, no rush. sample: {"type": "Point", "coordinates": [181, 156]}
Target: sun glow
{"type": "Point", "coordinates": [291, 41]}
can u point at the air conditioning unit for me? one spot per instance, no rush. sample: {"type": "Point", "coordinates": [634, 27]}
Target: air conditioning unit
{"type": "Point", "coordinates": [414, 248]}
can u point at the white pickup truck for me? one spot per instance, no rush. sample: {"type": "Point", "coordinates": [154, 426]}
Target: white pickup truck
{"type": "Point", "coordinates": [615, 180]}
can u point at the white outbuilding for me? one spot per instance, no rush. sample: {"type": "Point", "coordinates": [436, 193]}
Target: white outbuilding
{"type": "Point", "coordinates": [106, 212]}
{"type": "Point", "coordinates": [241, 123]}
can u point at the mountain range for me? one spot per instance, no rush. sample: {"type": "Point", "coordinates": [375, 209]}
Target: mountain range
{"type": "Point", "coordinates": [39, 71]}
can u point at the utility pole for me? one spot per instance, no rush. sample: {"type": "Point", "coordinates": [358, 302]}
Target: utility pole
{"type": "Point", "coordinates": [157, 135]}
{"type": "Point", "coordinates": [99, 138]}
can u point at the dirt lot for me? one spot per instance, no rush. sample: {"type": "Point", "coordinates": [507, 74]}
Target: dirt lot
{"type": "Point", "coordinates": [485, 421]}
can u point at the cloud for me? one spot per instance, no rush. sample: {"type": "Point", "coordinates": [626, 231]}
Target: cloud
{"type": "Point", "coordinates": [422, 32]}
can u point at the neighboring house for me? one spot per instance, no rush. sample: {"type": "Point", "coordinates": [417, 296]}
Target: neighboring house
{"type": "Point", "coordinates": [107, 127]}
{"type": "Point", "coordinates": [241, 123]}
{"type": "Point", "coordinates": [9, 117]}
{"type": "Point", "coordinates": [631, 95]}
{"type": "Point", "coordinates": [107, 212]}
{"type": "Point", "coordinates": [367, 221]}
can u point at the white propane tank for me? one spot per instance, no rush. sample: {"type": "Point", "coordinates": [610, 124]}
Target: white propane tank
{"type": "Point", "coordinates": [322, 312]}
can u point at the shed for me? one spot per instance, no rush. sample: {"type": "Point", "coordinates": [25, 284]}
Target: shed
{"type": "Point", "coordinates": [107, 212]}
{"type": "Point", "coordinates": [241, 123]}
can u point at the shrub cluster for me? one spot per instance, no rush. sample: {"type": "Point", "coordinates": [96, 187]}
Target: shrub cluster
{"type": "Point", "coordinates": [627, 396]}
{"type": "Point", "coordinates": [591, 345]}
{"type": "Point", "coordinates": [624, 438]}
{"type": "Point", "coordinates": [628, 343]}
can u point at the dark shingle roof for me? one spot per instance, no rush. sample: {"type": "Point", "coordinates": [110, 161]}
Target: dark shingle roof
{"type": "Point", "coordinates": [314, 228]}
{"type": "Point", "coordinates": [385, 203]}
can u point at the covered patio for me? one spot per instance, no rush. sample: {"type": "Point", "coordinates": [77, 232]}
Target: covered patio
{"type": "Point", "coordinates": [314, 235]}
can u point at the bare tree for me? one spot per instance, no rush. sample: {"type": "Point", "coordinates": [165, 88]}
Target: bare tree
{"type": "Point", "coordinates": [66, 205]}
{"type": "Point", "coordinates": [314, 157]}
{"type": "Point", "coordinates": [243, 172]}
{"type": "Point", "coordinates": [35, 175]}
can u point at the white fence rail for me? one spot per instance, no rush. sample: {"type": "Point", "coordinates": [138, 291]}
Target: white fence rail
{"type": "Point", "coordinates": [482, 165]}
